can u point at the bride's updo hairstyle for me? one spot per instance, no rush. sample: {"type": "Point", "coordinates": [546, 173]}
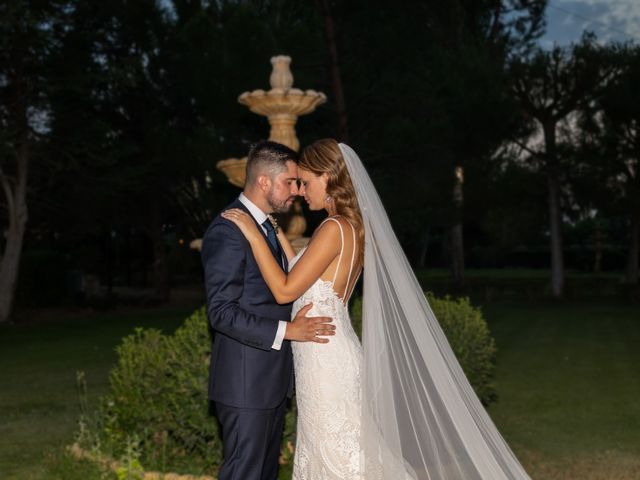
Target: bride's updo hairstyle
{"type": "Point", "coordinates": [324, 156]}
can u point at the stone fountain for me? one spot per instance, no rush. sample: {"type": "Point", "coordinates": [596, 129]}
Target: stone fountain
{"type": "Point", "coordinates": [282, 105]}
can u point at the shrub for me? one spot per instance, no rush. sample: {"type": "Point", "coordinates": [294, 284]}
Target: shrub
{"type": "Point", "coordinates": [468, 336]}
{"type": "Point", "coordinates": [470, 340]}
{"type": "Point", "coordinates": [158, 406]}
{"type": "Point", "coordinates": [158, 394]}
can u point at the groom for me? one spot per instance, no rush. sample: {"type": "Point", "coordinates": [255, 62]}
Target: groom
{"type": "Point", "coordinates": [251, 372]}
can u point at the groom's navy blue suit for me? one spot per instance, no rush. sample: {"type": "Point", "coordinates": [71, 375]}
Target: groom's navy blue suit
{"type": "Point", "coordinates": [249, 380]}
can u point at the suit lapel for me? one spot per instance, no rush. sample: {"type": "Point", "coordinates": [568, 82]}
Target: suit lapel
{"type": "Point", "coordinates": [284, 259]}
{"type": "Point", "coordinates": [280, 261]}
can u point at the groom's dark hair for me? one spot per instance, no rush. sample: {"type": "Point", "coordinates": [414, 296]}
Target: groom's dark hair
{"type": "Point", "coordinates": [268, 158]}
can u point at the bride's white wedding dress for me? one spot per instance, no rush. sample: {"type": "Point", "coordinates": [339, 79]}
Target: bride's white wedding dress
{"type": "Point", "coordinates": [399, 406]}
{"type": "Point", "coordinates": [328, 386]}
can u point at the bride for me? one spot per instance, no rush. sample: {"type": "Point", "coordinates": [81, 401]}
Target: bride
{"type": "Point", "coordinates": [398, 405]}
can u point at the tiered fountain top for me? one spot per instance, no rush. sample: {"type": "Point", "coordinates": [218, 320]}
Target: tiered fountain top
{"type": "Point", "coordinates": [282, 99]}
{"type": "Point", "coordinates": [282, 105]}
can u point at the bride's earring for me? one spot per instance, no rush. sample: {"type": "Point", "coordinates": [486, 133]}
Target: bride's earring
{"type": "Point", "coordinates": [328, 199]}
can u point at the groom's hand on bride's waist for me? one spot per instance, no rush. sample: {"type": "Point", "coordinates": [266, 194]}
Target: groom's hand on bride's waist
{"type": "Point", "coordinates": [309, 329]}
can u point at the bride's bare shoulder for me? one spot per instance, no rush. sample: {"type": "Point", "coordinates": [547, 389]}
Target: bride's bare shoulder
{"type": "Point", "coordinates": [329, 227]}
{"type": "Point", "coordinates": [333, 230]}
{"type": "Point", "coordinates": [338, 220]}
{"type": "Point", "coordinates": [332, 227]}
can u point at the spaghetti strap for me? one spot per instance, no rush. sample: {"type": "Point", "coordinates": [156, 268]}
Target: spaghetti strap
{"type": "Point", "coordinates": [335, 275]}
{"type": "Point", "coordinates": [348, 288]}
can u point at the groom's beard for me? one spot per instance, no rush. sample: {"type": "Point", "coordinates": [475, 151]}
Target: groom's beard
{"type": "Point", "coordinates": [282, 206]}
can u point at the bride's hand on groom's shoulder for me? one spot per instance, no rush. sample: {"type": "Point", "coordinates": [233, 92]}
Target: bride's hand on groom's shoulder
{"type": "Point", "coordinates": [309, 329]}
{"type": "Point", "coordinates": [244, 222]}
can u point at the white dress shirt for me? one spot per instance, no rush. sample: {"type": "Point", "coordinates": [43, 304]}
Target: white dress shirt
{"type": "Point", "coordinates": [260, 217]}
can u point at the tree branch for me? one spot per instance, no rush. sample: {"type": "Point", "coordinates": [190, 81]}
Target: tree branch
{"type": "Point", "coordinates": [495, 27]}
{"type": "Point", "coordinates": [527, 149]}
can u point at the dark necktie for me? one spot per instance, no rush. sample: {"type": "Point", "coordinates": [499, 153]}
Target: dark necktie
{"type": "Point", "coordinates": [271, 236]}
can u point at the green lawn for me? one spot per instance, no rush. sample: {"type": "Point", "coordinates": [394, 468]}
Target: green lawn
{"type": "Point", "coordinates": [568, 379]}
{"type": "Point", "coordinates": [38, 364]}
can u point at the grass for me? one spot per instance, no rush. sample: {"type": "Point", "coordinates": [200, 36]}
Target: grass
{"type": "Point", "coordinates": [38, 365]}
{"type": "Point", "coordinates": [569, 383]}
{"type": "Point", "coordinates": [567, 378]}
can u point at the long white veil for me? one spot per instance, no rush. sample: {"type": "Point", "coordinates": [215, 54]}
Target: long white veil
{"type": "Point", "coordinates": [420, 416]}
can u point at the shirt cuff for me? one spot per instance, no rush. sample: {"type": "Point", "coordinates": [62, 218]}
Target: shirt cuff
{"type": "Point", "coordinates": [282, 328]}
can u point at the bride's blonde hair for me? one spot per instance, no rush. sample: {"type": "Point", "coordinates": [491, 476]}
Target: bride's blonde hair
{"type": "Point", "coordinates": [324, 156]}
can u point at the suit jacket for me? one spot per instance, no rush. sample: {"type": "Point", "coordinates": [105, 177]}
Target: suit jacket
{"type": "Point", "coordinates": [245, 371]}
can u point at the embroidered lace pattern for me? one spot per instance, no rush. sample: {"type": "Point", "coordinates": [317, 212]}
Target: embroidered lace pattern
{"type": "Point", "coordinates": [328, 391]}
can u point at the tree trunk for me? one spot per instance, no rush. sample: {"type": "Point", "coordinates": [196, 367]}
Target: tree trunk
{"type": "Point", "coordinates": [555, 229]}
{"type": "Point", "coordinates": [598, 240]}
{"type": "Point", "coordinates": [16, 198]}
{"type": "Point", "coordinates": [334, 71]}
{"type": "Point", "coordinates": [108, 258]}
{"type": "Point", "coordinates": [457, 256]}
{"type": "Point", "coordinates": [555, 213]}
{"type": "Point", "coordinates": [634, 245]}
{"type": "Point", "coordinates": [424, 246]}
{"type": "Point", "coordinates": [9, 270]}
{"type": "Point", "coordinates": [160, 269]}
{"type": "Point", "coordinates": [457, 235]}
